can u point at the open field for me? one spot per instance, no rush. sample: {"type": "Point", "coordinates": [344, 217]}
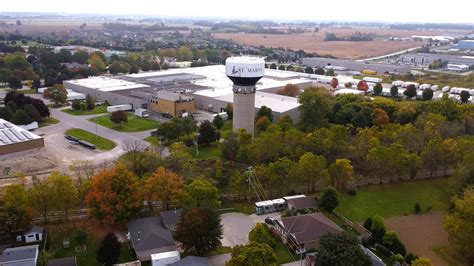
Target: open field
{"type": "Point", "coordinates": [397, 199]}
{"type": "Point", "coordinates": [314, 43]}
{"type": "Point", "coordinates": [134, 123]}
{"type": "Point", "coordinates": [420, 232]}
{"type": "Point", "coordinates": [48, 26]}
{"type": "Point", "coordinates": [100, 142]}
{"type": "Point", "coordinates": [101, 109]}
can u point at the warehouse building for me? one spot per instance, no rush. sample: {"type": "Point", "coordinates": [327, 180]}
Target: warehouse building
{"type": "Point", "coordinates": [428, 58]}
{"type": "Point", "coordinates": [344, 64]}
{"type": "Point", "coordinates": [16, 139]}
{"type": "Point", "coordinates": [466, 44]}
{"type": "Point", "coordinates": [175, 91]}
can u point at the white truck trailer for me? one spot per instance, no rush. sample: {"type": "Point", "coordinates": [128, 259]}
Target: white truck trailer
{"type": "Point", "coordinates": [140, 112]}
{"type": "Point", "coordinates": [165, 258]}
{"type": "Point", "coordinates": [121, 107]}
{"type": "Point", "coordinates": [373, 80]}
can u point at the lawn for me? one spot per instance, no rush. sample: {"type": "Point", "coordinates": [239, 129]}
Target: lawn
{"type": "Point", "coordinates": [242, 206]}
{"type": "Point", "coordinates": [153, 140]}
{"type": "Point", "coordinates": [392, 200]}
{"type": "Point", "coordinates": [101, 109]}
{"type": "Point", "coordinates": [100, 142]}
{"type": "Point", "coordinates": [226, 129]}
{"type": "Point", "coordinates": [57, 233]}
{"type": "Point", "coordinates": [48, 121]}
{"type": "Point", "coordinates": [134, 123]}
{"type": "Point", "coordinates": [209, 151]}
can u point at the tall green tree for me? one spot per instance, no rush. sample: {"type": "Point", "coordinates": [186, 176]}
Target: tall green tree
{"type": "Point", "coordinates": [329, 200]}
{"type": "Point", "coordinates": [15, 211]}
{"type": "Point", "coordinates": [202, 194]}
{"type": "Point", "coordinates": [341, 173]}
{"type": "Point", "coordinates": [199, 231]}
{"type": "Point", "coordinates": [315, 106]}
{"type": "Point", "coordinates": [253, 253]}
{"type": "Point", "coordinates": [313, 168]}
{"type": "Point", "coordinates": [264, 111]}
{"type": "Point", "coordinates": [341, 249]}
{"type": "Point", "coordinates": [64, 192]}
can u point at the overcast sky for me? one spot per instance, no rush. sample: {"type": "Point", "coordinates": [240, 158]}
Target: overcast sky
{"type": "Point", "coordinates": [439, 11]}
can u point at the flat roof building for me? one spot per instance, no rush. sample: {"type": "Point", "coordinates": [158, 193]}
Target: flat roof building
{"type": "Point", "coordinates": [16, 139]}
{"type": "Point", "coordinates": [354, 65]}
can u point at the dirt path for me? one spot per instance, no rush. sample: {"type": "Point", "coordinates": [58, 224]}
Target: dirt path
{"type": "Point", "coordinates": [420, 232]}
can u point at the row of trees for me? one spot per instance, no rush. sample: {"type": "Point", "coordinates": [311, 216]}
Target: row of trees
{"type": "Point", "coordinates": [22, 110]}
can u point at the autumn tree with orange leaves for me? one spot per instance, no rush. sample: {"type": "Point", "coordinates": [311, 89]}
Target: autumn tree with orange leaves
{"type": "Point", "coordinates": [164, 186]}
{"type": "Point", "coordinates": [115, 196]}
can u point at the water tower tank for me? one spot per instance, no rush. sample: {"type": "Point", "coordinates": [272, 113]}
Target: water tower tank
{"type": "Point", "coordinates": [244, 72]}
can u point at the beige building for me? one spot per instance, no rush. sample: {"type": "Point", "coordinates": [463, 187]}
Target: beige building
{"type": "Point", "coordinates": [172, 103]}
{"type": "Point", "coordinates": [16, 139]}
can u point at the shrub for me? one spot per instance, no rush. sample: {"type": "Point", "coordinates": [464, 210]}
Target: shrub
{"type": "Point", "coordinates": [392, 242]}
{"type": "Point", "coordinates": [378, 228]}
{"type": "Point", "coordinates": [383, 250]}
{"type": "Point", "coordinates": [399, 258]}
{"type": "Point", "coordinates": [410, 257]}
{"type": "Point", "coordinates": [368, 223]}
{"type": "Point", "coordinates": [329, 200]}
{"type": "Point", "coordinates": [417, 208]}
{"type": "Point", "coordinates": [80, 236]}
{"type": "Point", "coordinates": [261, 234]}
{"type": "Point", "coordinates": [76, 105]}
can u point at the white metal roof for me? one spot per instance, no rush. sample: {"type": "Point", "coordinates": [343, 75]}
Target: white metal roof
{"type": "Point", "coordinates": [107, 84]}
{"type": "Point", "coordinates": [277, 103]}
{"type": "Point", "coordinates": [11, 134]}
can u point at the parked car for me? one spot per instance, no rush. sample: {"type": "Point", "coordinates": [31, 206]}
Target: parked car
{"type": "Point", "coordinates": [270, 220]}
{"type": "Point", "coordinates": [166, 115]}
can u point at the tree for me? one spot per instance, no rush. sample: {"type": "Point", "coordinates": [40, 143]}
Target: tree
{"type": "Point", "coordinates": [230, 110]}
{"type": "Point", "coordinates": [15, 83]}
{"type": "Point", "coordinates": [188, 125]}
{"type": "Point", "coordinates": [230, 147]}
{"type": "Point", "coordinates": [109, 250]}
{"type": "Point", "coordinates": [199, 231]}
{"type": "Point", "coordinates": [363, 86]}
{"type": "Point", "coordinates": [97, 62]}
{"type": "Point", "coordinates": [76, 105]}
{"type": "Point", "coordinates": [341, 173]}
{"type": "Point", "coordinates": [6, 113]}
{"type": "Point", "coordinates": [319, 71]}
{"type": "Point", "coordinates": [155, 66]}
{"type": "Point", "coordinates": [329, 200]}
{"type": "Point", "coordinates": [427, 94]}
{"type": "Point", "coordinates": [253, 253]}
{"type": "Point", "coordinates": [329, 72]}
{"type": "Point", "coordinates": [207, 133]}
{"type": "Point", "coordinates": [422, 262]}
{"type": "Point", "coordinates": [265, 111]}
{"type": "Point", "coordinates": [410, 91]}
{"type": "Point", "coordinates": [115, 68]}
{"type": "Point", "coordinates": [179, 159]}
{"type": "Point", "coordinates": [308, 70]}
{"type": "Point", "coordinates": [315, 106]}
{"type": "Point", "coordinates": [40, 198]}
{"type": "Point", "coordinates": [11, 105]}
{"type": "Point", "coordinates": [57, 93]}
{"type": "Point", "coordinates": [465, 96]}
{"type": "Point", "coordinates": [378, 89]}
{"type": "Point", "coordinates": [262, 123]}
{"type": "Point", "coordinates": [5, 75]}
{"type": "Point", "coordinates": [341, 249]}
{"type": "Point", "coordinates": [280, 173]}
{"type": "Point", "coordinates": [168, 130]}
{"type": "Point", "coordinates": [392, 242]}
{"type": "Point", "coordinates": [115, 196]}
{"type": "Point", "coordinates": [378, 228]}
{"type": "Point", "coordinates": [202, 194]}
{"type": "Point", "coordinates": [64, 56]}
{"type": "Point", "coordinates": [334, 83]}
{"type": "Point", "coordinates": [119, 117]}
{"type": "Point", "coordinates": [262, 234]}
{"type": "Point", "coordinates": [16, 61]}
{"type": "Point", "coordinates": [32, 113]}
{"type": "Point", "coordinates": [380, 117]}
{"type": "Point", "coordinates": [459, 224]}
{"type": "Point", "coordinates": [41, 107]}
{"type": "Point", "coordinates": [15, 211]}
{"type": "Point", "coordinates": [281, 67]}
{"type": "Point", "coordinates": [36, 84]}
{"type": "Point", "coordinates": [273, 66]}
{"type": "Point", "coordinates": [21, 118]}
{"type": "Point", "coordinates": [394, 91]}
{"type": "Point", "coordinates": [289, 90]}
{"type": "Point", "coordinates": [90, 102]}
{"type": "Point", "coordinates": [64, 192]}
{"type": "Point", "coordinates": [164, 186]}
{"type": "Point", "coordinates": [218, 122]}
{"type": "Point", "coordinates": [313, 168]}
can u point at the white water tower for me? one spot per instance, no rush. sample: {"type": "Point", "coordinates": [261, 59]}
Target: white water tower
{"type": "Point", "coordinates": [244, 72]}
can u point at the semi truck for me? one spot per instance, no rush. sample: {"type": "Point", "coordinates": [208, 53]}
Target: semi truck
{"type": "Point", "coordinates": [374, 80]}
{"type": "Point", "coordinates": [121, 107]}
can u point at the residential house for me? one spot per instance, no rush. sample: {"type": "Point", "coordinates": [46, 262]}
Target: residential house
{"type": "Point", "coordinates": [192, 261]}
{"type": "Point", "coordinates": [171, 218]}
{"type": "Point", "coordinates": [20, 256]}
{"type": "Point", "coordinates": [149, 236]}
{"type": "Point", "coordinates": [306, 229]}
{"type": "Point", "coordinates": [301, 203]}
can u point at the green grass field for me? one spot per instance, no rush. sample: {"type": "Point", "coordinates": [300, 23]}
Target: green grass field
{"type": "Point", "coordinates": [48, 121]}
{"type": "Point", "coordinates": [134, 123]}
{"type": "Point", "coordinates": [206, 152]}
{"type": "Point", "coordinates": [395, 199]}
{"type": "Point", "coordinates": [100, 142]}
{"type": "Point", "coordinates": [101, 109]}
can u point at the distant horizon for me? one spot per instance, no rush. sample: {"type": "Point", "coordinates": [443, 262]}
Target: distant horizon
{"type": "Point", "coordinates": [365, 11]}
{"type": "Point", "coordinates": [217, 18]}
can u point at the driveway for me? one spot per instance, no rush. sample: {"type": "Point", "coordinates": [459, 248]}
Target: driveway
{"type": "Point", "coordinates": [236, 228]}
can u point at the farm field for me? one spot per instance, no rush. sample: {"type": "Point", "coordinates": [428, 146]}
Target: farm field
{"type": "Point", "coordinates": [314, 43]}
{"type": "Point", "coordinates": [420, 232]}
{"type": "Point", "coordinates": [392, 200]}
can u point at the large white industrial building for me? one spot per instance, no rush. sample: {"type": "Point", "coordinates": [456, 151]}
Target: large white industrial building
{"type": "Point", "coordinates": [208, 85]}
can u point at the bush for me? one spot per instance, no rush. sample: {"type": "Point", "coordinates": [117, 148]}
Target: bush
{"type": "Point", "coordinates": [378, 228]}
{"type": "Point", "coordinates": [417, 208]}
{"type": "Point", "coordinates": [261, 234]}
{"type": "Point", "coordinates": [392, 242]}
{"type": "Point", "coordinates": [76, 105]}
{"type": "Point", "coordinates": [399, 258]}
{"type": "Point", "coordinates": [329, 200]}
{"type": "Point", "coordinates": [368, 223]}
{"type": "Point", "coordinates": [410, 257]}
{"type": "Point", "coordinates": [383, 250]}
{"type": "Point", "coordinates": [80, 236]}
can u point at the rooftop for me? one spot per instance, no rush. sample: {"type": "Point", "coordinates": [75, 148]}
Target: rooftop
{"type": "Point", "coordinates": [11, 134]}
{"type": "Point", "coordinates": [149, 233]}
{"type": "Point", "coordinates": [278, 103]}
{"type": "Point", "coordinates": [20, 253]}
{"type": "Point", "coordinates": [107, 84]}
{"type": "Point", "coordinates": [302, 202]}
{"type": "Point", "coordinates": [309, 227]}
{"type": "Point", "coordinates": [192, 261]}
{"type": "Point", "coordinates": [170, 217]}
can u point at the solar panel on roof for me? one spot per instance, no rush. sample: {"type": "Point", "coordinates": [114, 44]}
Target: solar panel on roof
{"type": "Point", "coordinates": [17, 134]}
{"type": "Point", "coordinates": [27, 134]}
{"type": "Point", "coordinates": [10, 136]}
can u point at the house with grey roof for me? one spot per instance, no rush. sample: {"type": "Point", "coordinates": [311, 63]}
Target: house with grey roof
{"type": "Point", "coordinates": [301, 203]}
{"type": "Point", "coordinates": [170, 219]}
{"type": "Point", "coordinates": [192, 261]}
{"type": "Point", "coordinates": [149, 236]}
{"type": "Point", "coordinates": [306, 229]}
{"type": "Point", "coordinates": [20, 256]}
